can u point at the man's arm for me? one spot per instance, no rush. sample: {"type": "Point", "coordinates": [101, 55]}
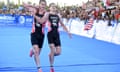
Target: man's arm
{"type": "Point", "coordinates": [28, 6]}
{"type": "Point", "coordinates": [64, 27]}
{"type": "Point", "coordinates": [43, 19]}
{"type": "Point", "coordinates": [33, 11]}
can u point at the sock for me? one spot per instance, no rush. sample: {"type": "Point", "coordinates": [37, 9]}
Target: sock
{"type": "Point", "coordinates": [38, 67]}
{"type": "Point", "coordinates": [51, 65]}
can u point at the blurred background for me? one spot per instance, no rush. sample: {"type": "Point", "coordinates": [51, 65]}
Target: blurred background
{"type": "Point", "coordinates": [94, 48]}
{"type": "Point", "coordinates": [105, 15]}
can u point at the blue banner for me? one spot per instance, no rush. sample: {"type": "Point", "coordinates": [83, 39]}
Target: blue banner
{"type": "Point", "coordinates": [22, 20]}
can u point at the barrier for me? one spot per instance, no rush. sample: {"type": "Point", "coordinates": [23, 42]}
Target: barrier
{"type": "Point", "coordinates": [100, 30]}
{"type": "Point", "coordinates": [7, 19]}
{"type": "Point", "coordinates": [21, 20]}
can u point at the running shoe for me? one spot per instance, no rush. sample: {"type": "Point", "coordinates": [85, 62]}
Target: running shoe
{"type": "Point", "coordinates": [51, 69]}
{"type": "Point", "coordinates": [40, 70]}
{"type": "Point", "coordinates": [31, 53]}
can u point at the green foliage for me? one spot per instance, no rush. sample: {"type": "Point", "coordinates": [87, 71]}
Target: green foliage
{"type": "Point", "coordinates": [1, 4]}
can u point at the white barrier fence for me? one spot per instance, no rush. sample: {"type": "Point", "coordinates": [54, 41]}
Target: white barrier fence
{"type": "Point", "coordinates": [100, 30]}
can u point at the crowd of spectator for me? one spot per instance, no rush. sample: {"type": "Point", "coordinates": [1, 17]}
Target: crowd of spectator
{"type": "Point", "coordinates": [97, 9]}
{"type": "Point", "coordinates": [20, 10]}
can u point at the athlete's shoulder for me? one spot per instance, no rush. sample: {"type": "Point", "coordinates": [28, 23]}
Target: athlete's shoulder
{"type": "Point", "coordinates": [46, 14]}
{"type": "Point", "coordinates": [59, 15]}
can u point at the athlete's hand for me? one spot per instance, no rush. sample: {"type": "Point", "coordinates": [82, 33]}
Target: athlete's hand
{"type": "Point", "coordinates": [24, 4]}
{"type": "Point", "coordinates": [33, 11]}
{"type": "Point", "coordinates": [47, 14]}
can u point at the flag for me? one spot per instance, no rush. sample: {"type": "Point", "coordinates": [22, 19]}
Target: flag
{"type": "Point", "coordinates": [89, 24]}
{"type": "Point", "coordinates": [106, 2]}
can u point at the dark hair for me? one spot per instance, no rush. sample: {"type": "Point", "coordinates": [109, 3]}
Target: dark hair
{"type": "Point", "coordinates": [39, 4]}
{"type": "Point", "coordinates": [42, 1]}
{"type": "Point", "coordinates": [51, 4]}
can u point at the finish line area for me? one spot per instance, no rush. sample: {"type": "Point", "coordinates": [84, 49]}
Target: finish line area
{"type": "Point", "coordinates": [79, 53]}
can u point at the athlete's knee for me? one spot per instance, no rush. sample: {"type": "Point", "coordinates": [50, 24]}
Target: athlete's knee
{"type": "Point", "coordinates": [52, 46]}
{"type": "Point", "coordinates": [36, 51]}
{"type": "Point", "coordinates": [58, 51]}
